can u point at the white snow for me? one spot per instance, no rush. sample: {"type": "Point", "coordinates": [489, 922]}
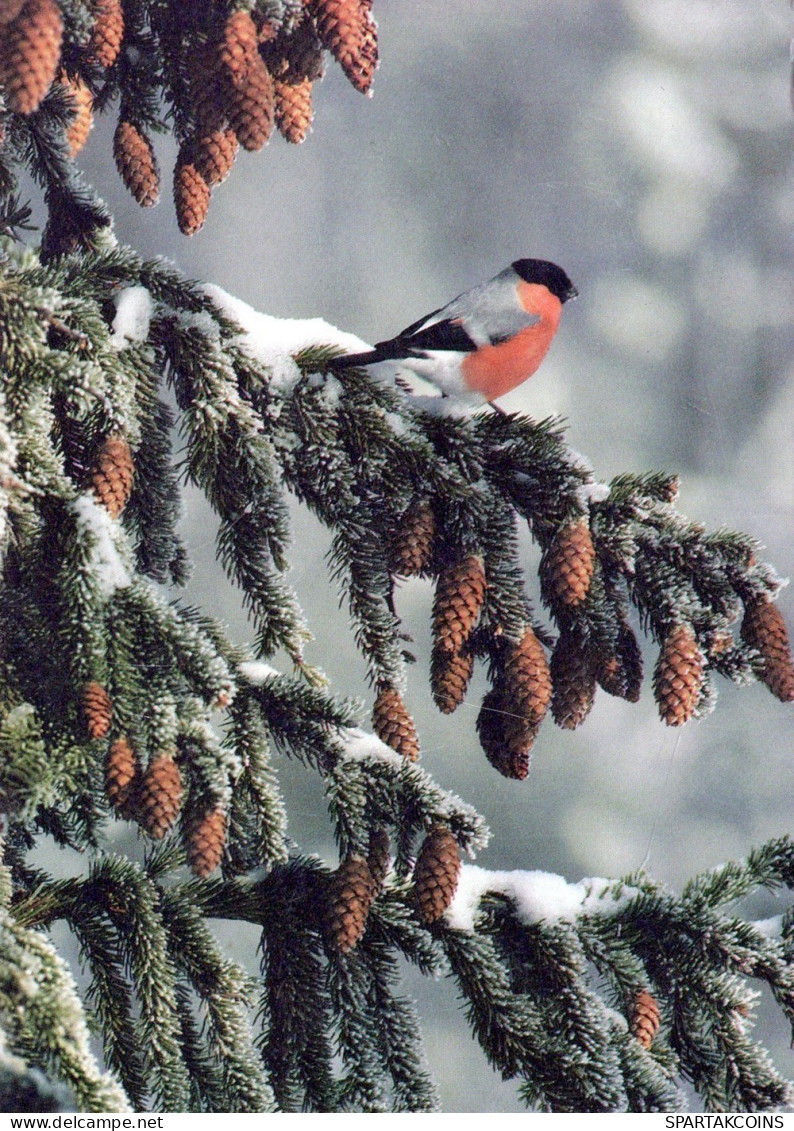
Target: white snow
{"type": "Point", "coordinates": [133, 316]}
{"type": "Point", "coordinates": [359, 744]}
{"type": "Point", "coordinates": [592, 493]}
{"type": "Point", "coordinates": [770, 928]}
{"type": "Point", "coordinates": [256, 672]}
{"type": "Point", "coordinates": [107, 566]}
{"type": "Point", "coordinates": [273, 341]}
{"type": "Point", "coordinates": [536, 896]}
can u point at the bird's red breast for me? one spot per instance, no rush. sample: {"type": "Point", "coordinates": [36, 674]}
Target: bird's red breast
{"type": "Point", "coordinates": [494, 370]}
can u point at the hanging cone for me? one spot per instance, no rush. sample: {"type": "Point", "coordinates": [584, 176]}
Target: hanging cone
{"type": "Point", "coordinates": [293, 109]}
{"type": "Point", "coordinates": [393, 724]}
{"type": "Point", "coordinates": [436, 873]}
{"type": "Point", "coordinates": [205, 841]}
{"type": "Point", "coordinates": [250, 109]}
{"type": "Point", "coordinates": [83, 119]}
{"type": "Point", "coordinates": [208, 89]}
{"type": "Point", "coordinates": [97, 709]}
{"type": "Point", "coordinates": [460, 595]}
{"type": "Point", "coordinates": [348, 899]}
{"type": "Point", "coordinates": [764, 629]}
{"type": "Point", "coordinates": [30, 51]}
{"type": "Point", "coordinates": [645, 1018]}
{"type": "Point", "coordinates": [569, 563]}
{"type": "Point", "coordinates": [678, 677]}
{"type": "Point", "coordinates": [379, 856]}
{"type": "Point", "coordinates": [573, 683]}
{"type": "Point", "coordinates": [450, 673]}
{"type": "Point", "coordinates": [112, 474]}
{"type": "Point", "coordinates": [122, 772]}
{"type": "Point", "coordinates": [238, 46]}
{"type": "Point", "coordinates": [412, 541]}
{"type": "Point", "coordinates": [136, 163]}
{"type": "Point", "coordinates": [160, 797]}
{"type": "Point", "coordinates": [620, 672]}
{"type": "Point", "coordinates": [347, 29]}
{"type": "Point", "coordinates": [107, 33]}
{"type": "Point", "coordinates": [215, 153]}
{"type": "Point", "coordinates": [527, 684]}
{"type": "Point", "coordinates": [191, 196]}
{"type": "Point", "coordinates": [9, 10]}
{"type": "Point", "coordinates": [506, 741]}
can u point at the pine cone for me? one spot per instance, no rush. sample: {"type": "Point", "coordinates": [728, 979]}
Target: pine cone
{"type": "Point", "coordinates": [527, 685]}
{"type": "Point", "coordinates": [508, 753]}
{"type": "Point", "coordinates": [379, 856]}
{"type": "Point", "coordinates": [205, 841]}
{"type": "Point", "coordinates": [347, 29]}
{"type": "Point", "coordinates": [460, 595]}
{"type": "Point", "coordinates": [9, 10]}
{"type": "Point", "coordinates": [764, 629]}
{"type": "Point", "coordinates": [347, 902]}
{"type": "Point", "coordinates": [238, 46]}
{"type": "Point", "coordinates": [107, 34]}
{"type": "Point", "coordinates": [678, 677]}
{"type": "Point", "coordinates": [83, 106]}
{"type": "Point", "coordinates": [97, 709]}
{"type": "Point", "coordinates": [436, 873]}
{"type": "Point", "coordinates": [393, 724]}
{"type": "Point", "coordinates": [573, 683]}
{"type": "Point", "coordinates": [215, 153]}
{"type": "Point", "coordinates": [645, 1018]}
{"type": "Point", "coordinates": [136, 163]}
{"type": "Point", "coordinates": [191, 195]}
{"type": "Point", "coordinates": [122, 772]}
{"type": "Point", "coordinates": [160, 797]}
{"type": "Point", "coordinates": [569, 563]}
{"type": "Point", "coordinates": [412, 541]}
{"type": "Point", "coordinates": [450, 673]}
{"type": "Point", "coordinates": [112, 474]}
{"type": "Point", "coordinates": [250, 108]}
{"type": "Point", "coordinates": [30, 52]}
{"type": "Point", "coordinates": [620, 673]}
{"type": "Point", "coordinates": [208, 89]}
{"type": "Point", "coordinates": [293, 109]}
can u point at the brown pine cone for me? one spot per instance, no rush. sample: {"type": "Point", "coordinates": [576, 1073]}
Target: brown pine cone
{"type": "Point", "coordinates": [160, 797]}
{"type": "Point", "coordinates": [208, 89]}
{"type": "Point", "coordinates": [412, 541]}
{"type": "Point", "coordinates": [9, 10]}
{"type": "Point", "coordinates": [205, 840]}
{"type": "Point", "coordinates": [450, 673]}
{"type": "Point", "coordinates": [348, 899]}
{"type": "Point", "coordinates": [764, 629]}
{"type": "Point", "coordinates": [107, 33]}
{"type": "Point", "coordinates": [527, 684]}
{"type": "Point", "coordinates": [393, 724]}
{"type": "Point", "coordinates": [136, 163]}
{"type": "Point", "coordinates": [506, 741]}
{"type": "Point", "coordinates": [620, 672]}
{"type": "Point", "coordinates": [238, 46]}
{"type": "Point", "coordinates": [30, 51]}
{"type": "Point", "coordinates": [347, 29]}
{"type": "Point", "coordinates": [83, 112]}
{"type": "Point", "coordinates": [215, 153]}
{"type": "Point", "coordinates": [569, 563]}
{"type": "Point", "coordinates": [678, 677]}
{"type": "Point", "coordinates": [436, 874]}
{"type": "Point", "coordinates": [191, 195]}
{"type": "Point", "coordinates": [379, 856]}
{"type": "Point", "coordinates": [251, 108]}
{"type": "Point", "coordinates": [293, 109]}
{"type": "Point", "coordinates": [573, 683]}
{"type": "Point", "coordinates": [97, 709]}
{"type": "Point", "coordinates": [112, 474]}
{"type": "Point", "coordinates": [460, 595]}
{"type": "Point", "coordinates": [645, 1018]}
{"type": "Point", "coordinates": [122, 772]}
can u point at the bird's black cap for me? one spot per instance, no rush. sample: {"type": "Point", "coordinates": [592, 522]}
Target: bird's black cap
{"type": "Point", "coordinates": [549, 274]}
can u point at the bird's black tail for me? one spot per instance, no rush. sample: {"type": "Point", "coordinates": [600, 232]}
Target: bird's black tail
{"type": "Point", "coordinates": [354, 360]}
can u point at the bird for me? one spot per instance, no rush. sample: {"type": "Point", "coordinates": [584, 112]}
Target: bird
{"type": "Point", "coordinates": [487, 340]}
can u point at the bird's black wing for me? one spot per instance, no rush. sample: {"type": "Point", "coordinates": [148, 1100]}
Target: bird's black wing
{"type": "Point", "coordinates": [448, 334]}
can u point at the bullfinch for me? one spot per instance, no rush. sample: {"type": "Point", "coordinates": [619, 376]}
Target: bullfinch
{"type": "Point", "coordinates": [486, 341]}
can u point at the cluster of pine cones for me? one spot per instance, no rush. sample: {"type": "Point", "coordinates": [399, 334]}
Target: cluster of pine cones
{"type": "Point", "coordinates": [526, 685]}
{"type": "Point", "coordinates": [251, 74]}
{"type": "Point", "coordinates": [151, 797]}
{"type": "Point", "coordinates": [358, 880]}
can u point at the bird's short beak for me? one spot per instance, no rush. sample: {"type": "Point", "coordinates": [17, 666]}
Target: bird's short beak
{"type": "Point", "coordinates": [571, 293]}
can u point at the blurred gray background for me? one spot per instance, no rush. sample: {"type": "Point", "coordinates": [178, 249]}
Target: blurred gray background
{"type": "Point", "coordinates": [645, 145]}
